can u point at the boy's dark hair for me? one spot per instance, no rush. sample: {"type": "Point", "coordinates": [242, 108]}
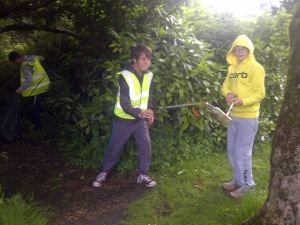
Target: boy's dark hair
{"type": "Point", "coordinates": [138, 50]}
{"type": "Point", "coordinates": [12, 56]}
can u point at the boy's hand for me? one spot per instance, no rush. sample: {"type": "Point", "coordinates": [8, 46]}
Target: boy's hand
{"type": "Point", "coordinates": [230, 97]}
{"type": "Point", "coordinates": [19, 90]}
{"type": "Point", "coordinates": [237, 102]}
{"type": "Point", "coordinates": [147, 114]}
{"type": "Point", "coordinates": [151, 118]}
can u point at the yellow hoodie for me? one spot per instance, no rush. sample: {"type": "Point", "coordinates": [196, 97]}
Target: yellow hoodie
{"type": "Point", "coordinates": [245, 80]}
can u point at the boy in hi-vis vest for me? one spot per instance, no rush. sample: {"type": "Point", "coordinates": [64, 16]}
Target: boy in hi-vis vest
{"type": "Point", "coordinates": [132, 114]}
{"type": "Point", "coordinates": [34, 83]}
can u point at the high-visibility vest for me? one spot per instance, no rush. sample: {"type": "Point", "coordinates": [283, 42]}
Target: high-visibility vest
{"type": "Point", "coordinates": [139, 95]}
{"type": "Point", "coordinates": [40, 80]}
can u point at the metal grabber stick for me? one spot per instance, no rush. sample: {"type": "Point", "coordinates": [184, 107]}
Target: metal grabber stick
{"type": "Point", "coordinates": [215, 112]}
{"type": "Point", "coordinates": [179, 106]}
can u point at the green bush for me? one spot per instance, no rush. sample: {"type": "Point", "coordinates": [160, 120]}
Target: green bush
{"type": "Point", "coordinates": [17, 211]}
{"type": "Point", "coordinates": [168, 147]}
{"type": "Point", "coordinates": [184, 72]}
{"type": "Point", "coordinates": [189, 46]}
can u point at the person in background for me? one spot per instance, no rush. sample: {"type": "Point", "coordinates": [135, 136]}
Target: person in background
{"type": "Point", "coordinates": [132, 115]}
{"type": "Point", "coordinates": [34, 83]}
{"type": "Point", "coordinates": [244, 87]}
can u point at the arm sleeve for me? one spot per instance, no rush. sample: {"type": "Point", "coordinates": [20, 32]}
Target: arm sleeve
{"type": "Point", "coordinates": [28, 70]}
{"type": "Point", "coordinates": [125, 99]}
{"type": "Point", "coordinates": [150, 100]}
{"type": "Point", "coordinates": [258, 87]}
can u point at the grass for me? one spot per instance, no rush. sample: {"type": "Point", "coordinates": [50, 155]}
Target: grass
{"type": "Point", "coordinates": [189, 194]}
{"type": "Point", "coordinates": [16, 211]}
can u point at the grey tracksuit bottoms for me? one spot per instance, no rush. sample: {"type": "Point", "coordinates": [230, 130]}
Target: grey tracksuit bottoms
{"type": "Point", "coordinates": [240, 138]}
{"type": "Point", "coordinates": [121, 132]}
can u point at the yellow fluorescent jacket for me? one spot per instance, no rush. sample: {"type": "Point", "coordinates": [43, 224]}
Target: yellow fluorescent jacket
{"type": "Point", "coordinates": [40, 80]}
{"type": "Point", "coordinates": [138, 94]}
{"type": "Point", "coordinates": [245, 80]}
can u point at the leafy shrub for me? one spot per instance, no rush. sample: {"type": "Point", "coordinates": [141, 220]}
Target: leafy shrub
{"type": "Point", "coordinates": [189, 65]}
{"type": "Point", "coordinates": [185, 71]}
{"type": "Point", "coordinates": [167, 148]}
{"type": "Point", "coordinates": [16, 211]}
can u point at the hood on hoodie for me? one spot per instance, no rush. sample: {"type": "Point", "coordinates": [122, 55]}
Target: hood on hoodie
{"type": "Point", "coordinates": [244, 41]}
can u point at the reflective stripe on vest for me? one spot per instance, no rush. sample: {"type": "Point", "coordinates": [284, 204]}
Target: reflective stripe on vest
{"type": "Point", "coordinates": [40, 80]}
{"type": "Point", "coordinates": [139, 96]}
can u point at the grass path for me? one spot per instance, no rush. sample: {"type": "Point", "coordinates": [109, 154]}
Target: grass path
{"type": "Point", "coordinates": [190, 194]}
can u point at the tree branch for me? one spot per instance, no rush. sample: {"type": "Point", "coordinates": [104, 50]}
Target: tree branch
{"type": "Point", "coordinates": [32, 27]}
{"type": "Point", "coordinates": [5, 11]}
{"type": "Point", "coordinates": [26, 27]}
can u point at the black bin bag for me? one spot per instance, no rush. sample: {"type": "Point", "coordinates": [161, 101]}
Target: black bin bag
{"type": "Point", "coordinates": [10, 129]}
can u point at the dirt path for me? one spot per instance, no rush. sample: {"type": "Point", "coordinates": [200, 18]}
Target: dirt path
{"type": "Point", "coordinates": [66, 192]}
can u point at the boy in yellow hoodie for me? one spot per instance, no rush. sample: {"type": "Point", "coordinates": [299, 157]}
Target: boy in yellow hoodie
{"type": "Point", "coordinates": [244, 87]}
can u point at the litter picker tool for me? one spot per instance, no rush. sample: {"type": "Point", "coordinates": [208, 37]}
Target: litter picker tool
{"type": "Point", "coordinates": [215, 112]}
{"type": "Point", "coordinates": [219, 115]}
{"type": "Point", "coordinates": [230, 108]}
{"type": "Point", "coordinates": [179, 106]}
{"type": "Point", "coordinates": [194, 110]}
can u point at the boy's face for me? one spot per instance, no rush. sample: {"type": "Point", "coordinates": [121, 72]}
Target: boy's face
{"type": "Point", "coordinates": [142, 64]}
{"type": "Point", "coordinates": [18, 60]}
{"type": "Point", "coordinates": [240, 53]}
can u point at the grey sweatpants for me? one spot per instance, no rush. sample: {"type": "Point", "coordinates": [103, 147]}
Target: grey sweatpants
{"type": "Point", "coordinates": [240, 138]}
{"type": "Point", "coordinates": [121, 132]}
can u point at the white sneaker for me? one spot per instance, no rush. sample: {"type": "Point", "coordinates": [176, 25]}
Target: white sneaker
{"type": "Point", "coordinates": [145, 180]}
{"type": "Point", "coordinates": [100, 179]}
{"type": "Point", "coordinates": [240, 192]}
{"type": "Point", "coordinates": [230, 186]}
